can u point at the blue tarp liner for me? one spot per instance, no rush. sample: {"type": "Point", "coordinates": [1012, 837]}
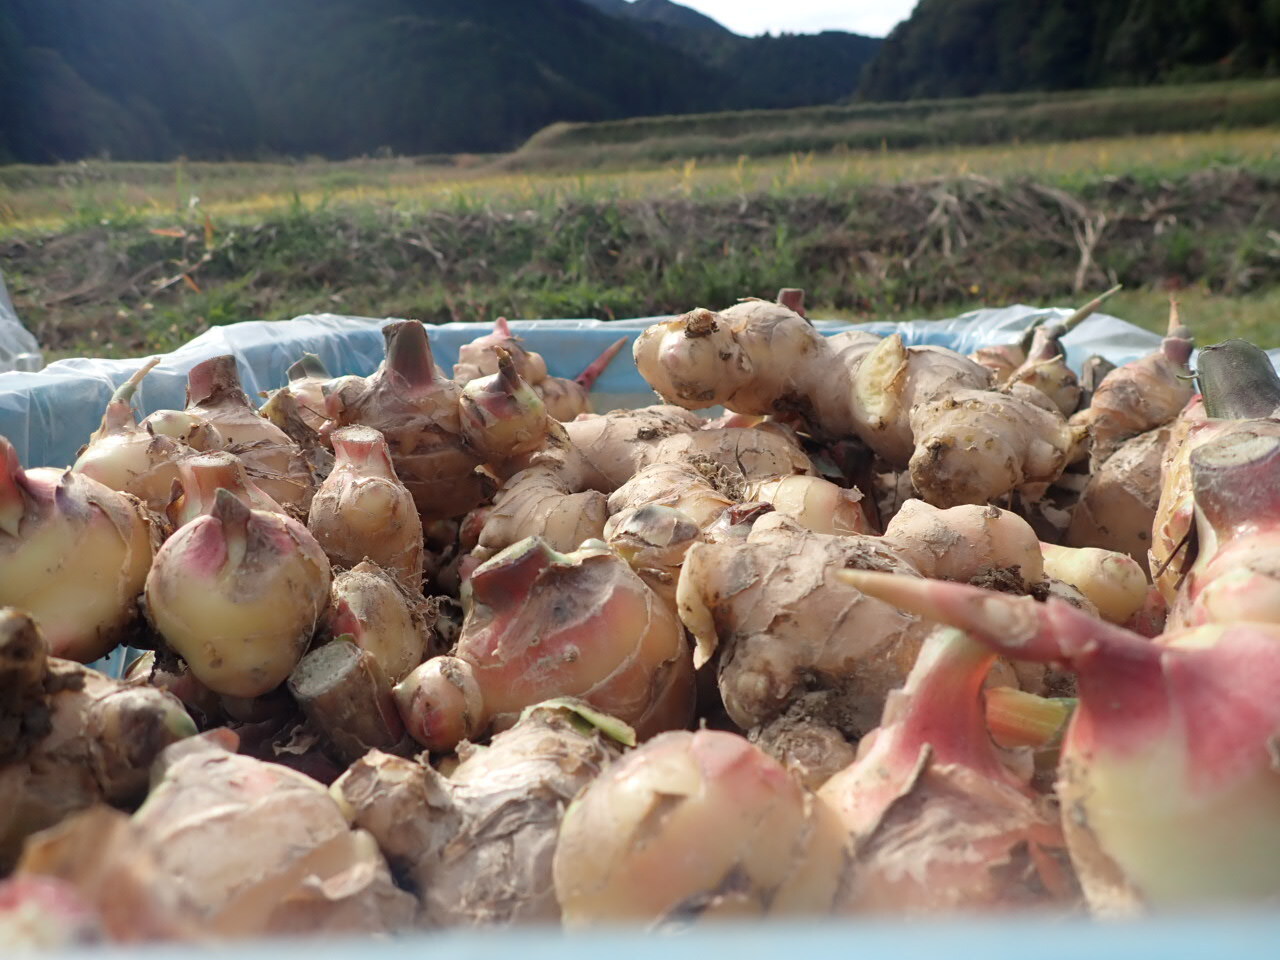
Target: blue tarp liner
{"type": "Point", "coordinates": [18, 348]}
{"type": "Point", "coordinates": [49, 415]}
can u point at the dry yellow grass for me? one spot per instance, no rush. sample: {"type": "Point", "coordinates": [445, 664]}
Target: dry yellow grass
{"type": "Point", "coordinates": [52, 199]}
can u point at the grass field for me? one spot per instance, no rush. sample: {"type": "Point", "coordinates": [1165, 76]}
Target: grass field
{"type": "Point", "coordinates": [35, 200]}
{"type": "Point", "coordinates": [992, 119]}
{"type": "Point", "coordinates": [118, 259]}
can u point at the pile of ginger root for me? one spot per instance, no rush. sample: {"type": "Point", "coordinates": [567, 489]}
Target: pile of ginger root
{"type": "Point", "coordinates": [414, 650]}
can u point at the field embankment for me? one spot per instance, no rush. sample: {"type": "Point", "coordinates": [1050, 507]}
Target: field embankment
{"type": "Point", "coordinates": [142, 284]}
{"type": "Point", "coordinates": [993, 119]}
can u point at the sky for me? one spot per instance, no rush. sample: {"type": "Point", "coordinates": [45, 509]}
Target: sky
{"type": "Point", "coordinates": [874, 18]}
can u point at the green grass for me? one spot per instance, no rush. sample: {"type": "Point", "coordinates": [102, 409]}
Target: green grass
{"type": "Point", "coordinates": [992, 119]}
{"type": "Point", "coordinates": [139, 285]}
{"type": "Point", "coordinates": [47, 200]}
{"type": "Point", "coordinates": [123, 259]}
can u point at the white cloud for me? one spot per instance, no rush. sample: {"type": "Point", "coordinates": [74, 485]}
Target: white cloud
{"type": "Point", "coordinates": [752, 17]}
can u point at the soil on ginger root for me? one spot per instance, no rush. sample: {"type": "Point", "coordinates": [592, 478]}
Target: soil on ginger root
{"type": "Point", "coordinates": [136, 287]}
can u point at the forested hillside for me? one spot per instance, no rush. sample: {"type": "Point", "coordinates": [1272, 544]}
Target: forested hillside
{"type": "Point", "coordinates": [154, 79]}
{"type": "Point", "coordinates": [135, 79]}
{"type": "Point", "coordinates": [957, 48]}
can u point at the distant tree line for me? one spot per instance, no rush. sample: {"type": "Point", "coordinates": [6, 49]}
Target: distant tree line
{"type": "Point", "coordinates": [958, 48]}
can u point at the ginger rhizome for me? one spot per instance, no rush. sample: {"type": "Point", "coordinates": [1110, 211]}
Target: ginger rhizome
{"type": "Point", "coordinates": [1241, 393]}
{"type": "Point", "coordinates": [255, 848]}
{"type": "Point", "coordinates": [74, 554]}
{"type": "Point", "coordinates": [564, 399]}
{"type": "Point", "coordinates": [362, 510]}
{"type": "Point", "coordinates": [754, 605]}
{"type": "Point", "coordinates": [1233, 576]}
{"type": "Point", "coordinates": [925, 408]}
{"type": "Point", "coordinates": [1166, 809]}
{"type": "Point", "coordinates": [1006, 359]}
{"type": "Point", "coordinates": [562, 494]}
{"type": "Point", "coordinates": [543, 624]}
{"type": "Point", "coordinates": [477, 846]}
{"type": "Point", "coordinates": [274, 461]}
{"type": "Point", "coordinates": [238, 594]}
{"type": "Point", "coordinates": [128, 458]}
{"type": "Point", "coordinates": [201, 476]}
{"type": "Point", "coordinates": [377, 613]}
{"type": "Point", "coordinates": [1141, 395]}
{"type": "Point", "coordinates": [697, 826]}
{"type": "Point", "coordinates": [69, 736]}
{"type": "Point", "coordinates": [940, 822]}
{"type": "Point", "coordinates": [436, 432]}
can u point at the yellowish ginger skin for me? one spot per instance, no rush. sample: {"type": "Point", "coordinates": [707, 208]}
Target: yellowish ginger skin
{"type": "Point", "coordinates": [974, 445]}
{"type": "Point", "coordinates": [753, 358]}
{"type": "Point", "coordinates": [558, 494]}
{"type": "Point", "coordinates": [964, 542]}
{"type": "Point", "coordinates": [199, 479]}
{"type": "Point", "coordinates": [671, 484]}
{"type": "Point", "coordinates": [759, 599]}
{"type": "Point", "coordinates": [363, 511]}
{"type": "Point", "coordinates": [737, 837]}
{"type": "Point", "coordinates": [477, 846]}
{"type": "Point", "coordinates": [893, 380]}
{"type": "Point", "coordinates": [653, 539]}
{"type": "Point", "coordinates": [1045, 369]}
{"type": "Point", "coordinates": [758, 358]}
{"type": "Point", "coordinates": [258, 848]}
{"type": "Point", "coordinates": [1175, 515]}
{"type": "Point", "coordinates": [1113, 582]}
{"type": "Point", "coordinates": [1054, 379]}
{"type": "Point", "coordinates": [502, 415]}
{"type": "Point", "coordinates": [127, 458]}
{"type": "Point", "coordinates": [562, 398]}
{"type": "Point", "coordinates": [98, 739]}
{"type": "Point", "coordinates": [381, 616]}
{"type": "Point", "coordinates": [418, 413]}
{"type": "Point", "coordinates": [561, 494]}
{"type": "Point", "coordinates": [543, 624]}
{"type": "Point", "coordinates": [739, 594]}
{"type": "Point", "coordinates": [1232, 574]}
{"type": "Point", "coordinates": [237, 593]}
{"type": "Point", "coordinates": [1117, 509]}
{"type": "Point", "coordinates": [1141, 395]}
{"type": "Point", "coordinates": [274, 461]}
{"type": "Point", "coordinates": [60, 528]}
{"type": "Point", "coordinates": [480, 359]}
{"type": "Point", "coordinates": [816, 504]}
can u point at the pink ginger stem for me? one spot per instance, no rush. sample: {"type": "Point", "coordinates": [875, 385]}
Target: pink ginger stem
{"type": "Point", "coordinates": [588, 377]}
{"type": "Point", "coordinates": [1233, 479]}
{"type": "Point", "coordinates": [12, 503]}
{"type": "Point", "coordinates": [215, 379]}
{"type": "Point", "coordinates": [1121, 673]}
{"type": "Point", "coordinates": [945, 709]}
{"type": "Point", "coordinates": [409, 355]}
{"type": "Point", "coordinates": [361, 447]}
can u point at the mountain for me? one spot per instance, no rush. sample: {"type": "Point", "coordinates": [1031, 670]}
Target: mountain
{"type": "Point", "coordinates": [433, 76]}
{"type": "Point", "coordinates": [155, 79]}
{"type": "Point", "coordinates": [662, 14]}
{"type": "Point", "coordinates": [958, 48]}
{"type": "Point", "coordinates": [134, 78]}
{"type": "Point", "coordinates": [788, 70]}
